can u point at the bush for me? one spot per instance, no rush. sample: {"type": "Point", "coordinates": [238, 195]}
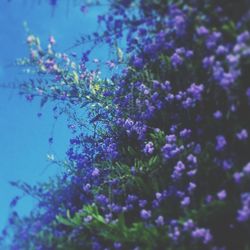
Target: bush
{"type": "Point", "coordinates": [163, 160]}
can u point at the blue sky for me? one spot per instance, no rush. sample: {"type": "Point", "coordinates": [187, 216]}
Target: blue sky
{"type": "Point", "coordinates": [23, 136]}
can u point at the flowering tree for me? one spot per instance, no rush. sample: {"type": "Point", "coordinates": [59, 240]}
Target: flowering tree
{"type": "Point", "coordinates": [162, 161]}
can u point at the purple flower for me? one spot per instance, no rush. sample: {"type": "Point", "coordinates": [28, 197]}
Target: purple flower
{"type": "Point", "coordinates": [142, 203]}
{"type": "Point", "coordinates": [159, 221]}
{"type": "Point", "coordinates": [242, 135]}
{"type": "Point", "coordinates": [158, 196]}
{"type": "Point", "coordinates": [203, 234]}
{"type": "Point", "coordinates": [95, 172]}
{"type": "Point", "coordinates": [195, 90]}
{"type": "Point", "coordinates": [192, 159]}
{"type": "Point", "coordinates": [237, 177]}
{"type": "Point", "coordinates": [178, 170]}
{"type": "Point", "coordinates": [246, 169]}
{"type": "Point", "coordinates": [243, 37]}
{"type": "Point", "coordinates": [191, 186]}
{"type": "Point", "coordinates": [138, 62]}
{"type": "Point", "coordinates": [149, 148]}
{"type": "Point", "coordinates": [86, 187]}
{"type": "Point", "coordinates": [131, 198]}
{"type": "Point", "coordinates": [202, 31]}
{"type": "Point", "coordinates": [217, 115]}
{"type": "Point", "coordinates": [222, 194]}
{"type": "Point", "coordinates": [227, 164]}
{"type": "Point", "coordinates": [185, 133]}
{"type": "Point", "coordinates": [189, 53]}
{"type": "Point", "coordinates": [220, 142]}
{"type": "Point", "coordinates": [88, 218]}
{"type": "Point", "coordinates": [243, 214]}
{"type": "Point", "coordinates": [221, 50]}
{"type": "Point", "coordinates": [171, 138]}
{"type": "Point", "coordinates": [117, 245]}
{"type": "Point", "coordinates": [187, 225]}
{"type": "Point", "coordinates": [248, 93]}
{"type": "Point", "coordinates": [145, 214]}
{"type": "Point", "coordinates": [232, 59]}
{"type": "Point", "coordinates": [176, 60]}
{"type": "Point", "coordinates": [208, 61]}
{"type": "Point", "coordinates": [186, 201]}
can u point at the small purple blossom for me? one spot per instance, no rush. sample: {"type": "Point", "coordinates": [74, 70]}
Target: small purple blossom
{"type": "Point", "coordinates": [246, 169]}
{"type": "Point", "coordinates": [159, 221]}
{"type": "Point", "coordinates": [149, 148]}
{"type": "Point", "coordinates": [176, 60]}
{"type": "Point", "coordinates": [138, 62]}
{"type": "Point", "coordinates": [243, 214]}
{"type": "Point", "coordinates": [188, 225]}
{"type": "Point", "coordinates": [117, 245]}
{"type": "Point", "coordinates": [242, 135]}
{"type": "Point", "coordinates": [222, 195]}
{"type": "Point", "coordinates": [217, 115]}
{"type": "Point", "coordinates": [203, 234]}
{"type": "Point", "coordinates": [95, 172]}
{"type": "Point", "coordinates": [145, 214]}
{"type": "Point", "coordinates": [237, 177]}
{"type": "Point", "coordinates": [186, 201]}
{"type": "Point", "coordinates": [220, 142]}
{"type": "Point", "coordinates": [202, 31]}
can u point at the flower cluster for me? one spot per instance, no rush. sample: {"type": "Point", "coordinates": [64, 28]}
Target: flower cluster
{"type": "Point", "coordinates": [164, 163]}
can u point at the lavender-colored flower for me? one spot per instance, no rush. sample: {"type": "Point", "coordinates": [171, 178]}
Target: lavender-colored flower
{"type": "Point", "coordinates": [189, 53]}
{"type": "Point", "coordinates": [233, 59]}
{"type": "Point", "coordinates": [243, 37]}
{"type": "Point", "coordinates": [192, 159]}
{"type": "Point", "coordinates": [203, 234]}
{"type": "Point", "coordinates": [246, 169]}
{"type": "Point", "coordinates": [178, 170]}
{"type": "Point", "coordinates": [188, 225]}
{"type": "Point", "coordinates": [222, 194]}
{"type": "Point", "coordinates": [145, 214]}
{"type": "Point", "coordinates": [102, 199]}
{"type": "Point", "coordinates": [159, 221]}
{"type": "Point", "coordinates": [248, 93]}
{"type": "Point", "coordinates": [176, 60]}
{"type": "Point", "coordinates": [221, 50]}
{"type": "Point", "coordinates": [202, 31]}
{"type": "Point", "coordinates": [174, 234]}
{"type": "Point", "coordinates": [170, 138]}
{"type": "Point", "coordinates": [88, 218]}
{"type": "Point", "coordinates": [149, 148]}
{"type": "Point", "coordinates": [208, 61]}
{"type": "Point", "coordinates": [185, 133]}
{"type": "Point", "coordinates": [138, 62]}
{"type": "Point", "coordinates": [191, 186]}
{"type": "Point", "coordinates": [220, 142]}
{"type": "Point", "coordinates": [227, 164]}
{"type": "Point", "coordinates": [142, 203]}
{"type": "Point", "coordinates": [208, 198]}
{"type": "Point", "coordinates": [237, 177]}
{"type": "Point", "coordinates": [95, 172]}
{"type": "Point", "coordinates": [86, 187]}
{"type": "Point", "coordinates": [217, 115]}
{"type": "Point", "coordinates": [186, 201]}
{"type": "Point", "coordinates": [117, 245]}
{"type": "Point", "coordinates": [131, 198]}
{"type": "Point", "coordinates": [243, 214]}
{"type": "Point", "coordinates": [158, 196]}
{"type": "Point", "coordinates": [242, 135]}
{"type": "Point", "coordinates": [196, 90]}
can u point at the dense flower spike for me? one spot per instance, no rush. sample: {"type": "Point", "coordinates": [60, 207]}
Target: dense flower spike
{"type": "Point", "coordinates": [163, 161]}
